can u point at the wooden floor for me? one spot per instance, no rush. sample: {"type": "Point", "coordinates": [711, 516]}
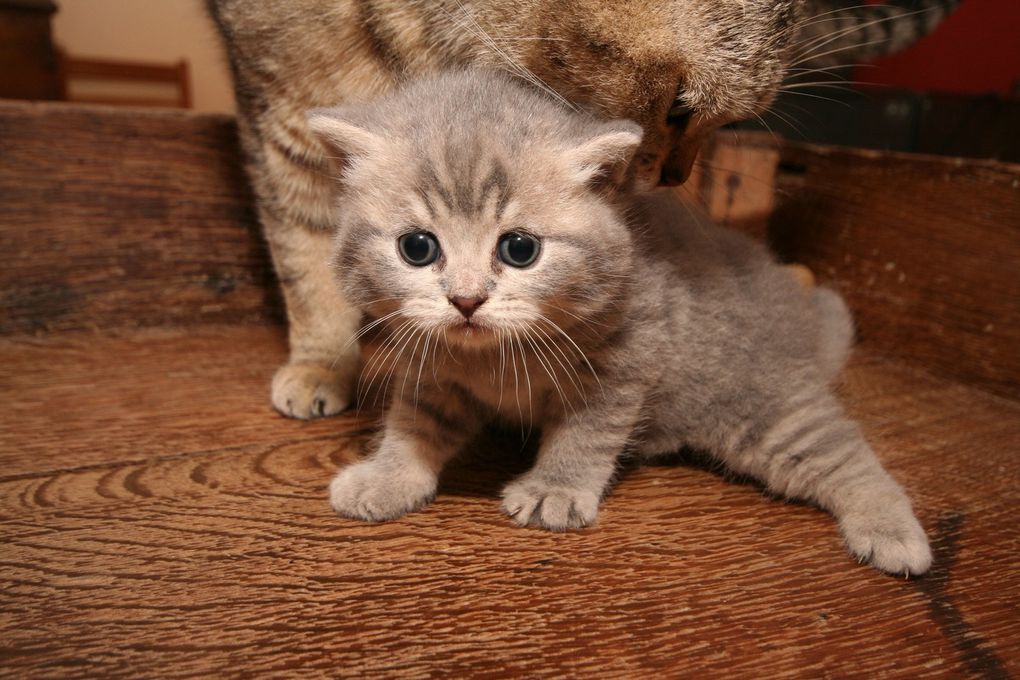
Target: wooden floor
{"type": "Point", "coordinates": [158, 519]}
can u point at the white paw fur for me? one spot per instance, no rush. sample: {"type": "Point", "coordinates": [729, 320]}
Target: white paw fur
{"type": "Point", "coordinates": [891, 540]}
{"type": "Point", "coordinates": [535, 502]}
{"type": "Point", "coordinates": [306, 390]}
{"type": "Point", "coordinates": [374, 492]}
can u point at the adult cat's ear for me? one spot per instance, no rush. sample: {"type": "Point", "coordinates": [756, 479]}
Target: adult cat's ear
{"type": "Point", "coordinates": [602, 160]}
{"type": "Point", "coordinates": [345, 140]}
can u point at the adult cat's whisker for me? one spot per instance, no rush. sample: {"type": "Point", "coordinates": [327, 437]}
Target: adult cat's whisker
{"type": "Point", "coordinates": [472, 26]}
{"type": "Point", "coordinates": [845, 48]}
{"type": "Point", "coordinates": [841, 84]}
{"type": "Point", "coordinates": [828, 38]}
{"type": "Point", "coordinates": [817, 18]}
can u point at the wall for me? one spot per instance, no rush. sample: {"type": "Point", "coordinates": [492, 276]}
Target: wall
{"type": "Point", "coordinates": [150, 30]}
{"type": "Point", "coordinates": [976, 52]}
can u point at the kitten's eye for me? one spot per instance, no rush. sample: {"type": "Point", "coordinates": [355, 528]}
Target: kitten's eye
{"type": "Point", "coordinates": [418, 248]}
{"type": "Point", "coordinates": [518, 250]}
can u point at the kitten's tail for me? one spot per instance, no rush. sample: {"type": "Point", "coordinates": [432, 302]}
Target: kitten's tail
{"type": "Point", "coordinates": [836, 331]}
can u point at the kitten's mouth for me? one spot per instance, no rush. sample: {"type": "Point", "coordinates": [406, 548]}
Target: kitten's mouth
{"type": "Point", "coordinates": [470, 332]}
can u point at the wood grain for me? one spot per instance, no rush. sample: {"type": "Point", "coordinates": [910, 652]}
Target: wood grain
{"type": "Point", "coordinates": [925, 249]}
{"type": "Point", "coordinates": [125, 218]}
{"type": "Point", "coordinates": [225, 558]}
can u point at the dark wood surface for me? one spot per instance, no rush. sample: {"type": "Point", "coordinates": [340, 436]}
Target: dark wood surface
{"type": "Point", "coordinates": [114, 218]}
{"type": "Point", "coordinates": [158, 519]}
{"type": "Point", "coordinates": [160, 516]}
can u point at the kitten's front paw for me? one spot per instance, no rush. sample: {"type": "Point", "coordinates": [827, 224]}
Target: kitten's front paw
{"type": "Point", "coordinates": [534, 502]}
{"type": "Point", "coordinates": [891, 540]}
{"type": "Point", "coordinates": [371, 492]}
{"type": "Point", "coordinates": [306, 390]}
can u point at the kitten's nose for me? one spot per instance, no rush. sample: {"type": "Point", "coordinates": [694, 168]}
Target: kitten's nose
{"type": "Point", "coordinates": [467, 305]}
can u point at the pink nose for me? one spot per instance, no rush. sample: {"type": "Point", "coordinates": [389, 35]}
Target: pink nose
{"type": "Point", "coordinates": [467, 305]}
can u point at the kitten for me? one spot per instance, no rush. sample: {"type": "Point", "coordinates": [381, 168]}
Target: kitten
{"type": "Point", "coordinates": [490, 239]}
{"type": "Point", "coordinates": [680, 68]}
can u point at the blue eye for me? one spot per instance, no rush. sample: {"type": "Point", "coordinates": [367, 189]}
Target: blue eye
{"type": "Point", "coordinates": [518, 250]}
{"type": "Point", "coordinates": [419, 248]}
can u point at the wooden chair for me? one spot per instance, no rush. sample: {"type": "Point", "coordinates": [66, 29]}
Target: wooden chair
{"type": "Point", "coordinates": [77, 70]}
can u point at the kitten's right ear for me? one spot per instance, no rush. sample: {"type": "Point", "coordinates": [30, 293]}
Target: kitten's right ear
{"type": "Point", "coordinates": [346, 140]}
{"type": "Point", "coordinates": [603, 159]}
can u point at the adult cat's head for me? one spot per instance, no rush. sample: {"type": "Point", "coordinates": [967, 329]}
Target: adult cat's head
{"type": "Point", "coordinates": [474, 206]}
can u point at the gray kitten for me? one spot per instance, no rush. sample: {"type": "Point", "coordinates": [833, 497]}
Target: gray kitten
{"type": "Point", "coordinates": [507, 274]}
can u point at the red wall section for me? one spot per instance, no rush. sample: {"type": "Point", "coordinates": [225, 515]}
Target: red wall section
{"type": "Point", "coordinates": [975, 51]}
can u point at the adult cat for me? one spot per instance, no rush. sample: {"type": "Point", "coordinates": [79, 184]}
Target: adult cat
{"type": "Point", "coordinates": [679, 68]}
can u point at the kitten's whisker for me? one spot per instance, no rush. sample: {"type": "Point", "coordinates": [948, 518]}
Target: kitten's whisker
{"type": "Point", "coordinates": [421, 365]}
{"type": "Point", "coordinates": [517, 387]}
{"type": "Point", "coordinates": [398, 348]}
{"type": "Point", "coordinates": [540, 356]}
{"type": "Point", "coordinates": [410, 362]}
{"type": "Point", "coordinates": [379, 361]}
{"type": "Point", "coordinates": [584, 357]}
{"type": "Point", "coordinates": [564, 363]}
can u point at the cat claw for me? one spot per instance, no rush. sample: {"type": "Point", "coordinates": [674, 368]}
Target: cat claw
{"type": "Point", "coordinates": [540, 504]}
{"type": "Point", "coordinates": [894, 543]}
{"type": "Point", "coordinates": [307, 391]}
{"type": "Point", "coordinates": [372, 493]}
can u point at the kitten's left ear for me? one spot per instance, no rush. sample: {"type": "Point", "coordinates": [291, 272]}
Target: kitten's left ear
{"type": "Point", "coordinates": [347, 140]}
{"type": "Point", "coordinates": [604, 158]}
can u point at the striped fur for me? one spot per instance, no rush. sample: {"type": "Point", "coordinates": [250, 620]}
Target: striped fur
{"type": "Point", "coordinates": [639, 327]}
{"type": "Point", "coordinates": [642, 60]}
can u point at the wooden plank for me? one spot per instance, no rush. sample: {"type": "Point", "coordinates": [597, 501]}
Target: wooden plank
{"type": "Point", "coordinates": [125, 218]}
{"type": "Point", "coordinates": [85, 399]}
{"type": "Point", "coordinates": [734, 181]}
{"type": "Point", "coordinates": [231, 562]}
{"type": "Point", "coordinates": [926, 250]}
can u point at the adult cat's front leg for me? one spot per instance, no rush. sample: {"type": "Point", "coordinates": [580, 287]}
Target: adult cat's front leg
{"type": "Point", "coordinates": [401, 476]}
{"type": "Point", "coordinates": [318, 379]}
{"type": "Point", "coordinates": [296, 211]}
{"type": "Point", "coordinates": [576, 461]}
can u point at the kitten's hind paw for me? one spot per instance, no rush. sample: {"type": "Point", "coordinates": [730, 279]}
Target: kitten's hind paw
{"type": "Point", "coordinates": [893, 542]}
{"type": "Point", "coordinates": [537, 503]}
{"type": "Point", "coordinates": [306, 390]}
{"type": "Point", "coordinates": [374, 493]}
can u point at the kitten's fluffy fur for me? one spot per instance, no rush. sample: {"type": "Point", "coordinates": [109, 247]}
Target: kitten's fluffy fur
{"type": "Point", "coordinates": [638, 327]}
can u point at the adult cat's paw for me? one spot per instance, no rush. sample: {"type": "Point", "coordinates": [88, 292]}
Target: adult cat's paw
{"type": "Point", "coordinates": [306, 390]}
{"type": "Point", "coordinates": [375, 493]}
{"type": "Point", "coordinates": [891, 540]}
{"type": "Point", "coordinates": [535, 502]}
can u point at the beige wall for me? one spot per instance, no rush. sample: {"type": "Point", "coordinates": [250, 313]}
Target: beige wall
{"type": "Point", "coordinates": [150, 30]}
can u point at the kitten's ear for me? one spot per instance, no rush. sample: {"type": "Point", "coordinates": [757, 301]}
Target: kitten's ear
{"type": "Point", "coordinates": [602, 160]}
{"type": "Point", "coordinates": [345, 140]}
